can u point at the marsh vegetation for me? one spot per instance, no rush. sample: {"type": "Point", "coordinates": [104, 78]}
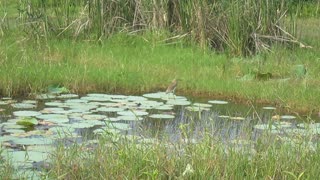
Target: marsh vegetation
{"type": "Point", "coordinates": [239, 50]}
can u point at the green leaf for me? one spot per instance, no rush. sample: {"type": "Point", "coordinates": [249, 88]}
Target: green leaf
{"type": "Point", "coordinates": [27, 121]}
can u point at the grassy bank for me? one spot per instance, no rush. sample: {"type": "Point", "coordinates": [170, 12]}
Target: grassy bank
{"type": "Point", "coordinates": [211, 158]}
{"type": "Point", "coordinates": [50, 43]}
{"type": "Point", "coordinates": [135, 64]}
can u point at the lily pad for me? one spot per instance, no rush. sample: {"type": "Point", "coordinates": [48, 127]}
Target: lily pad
{"type": "Point", "coordinates": [62, 129]}
{"type": "Point", "coordinates": [94, 98]}
{"type": "Point", "coordinates": [179, 102]}
{"type": "Point", "coordinates": [202, 105]}
{"type": "Point", "coordinates": [121, 126]}
{"type": "Point", "coordinates": [45, 96]}
{"type": "Point", "coordinates": [287, 117]}
{"type": "Point", "coordinates": [309, 125]}
{"type": "Point", "coordinates": [27, 121]}
{"type": "Point", "coordinates": [269, 108]}
{"type": "Point", "coordinates": [196, 109]}
{"type": "Point", "coordinates": [132, 113]}
{"type": "Point", "coordinates": [237, 118]}
{"type": "Point", "coordinates": [55, 118]}
{"type": "Point", "coordinates": [32, 141]}
{"type": "Point", "coordinates": [218, 102]}
{"type": "Point", "coordinates": [165, 107]}
{"type": "Point", "coordinates": [26, 113]}
{"type": "Point", "coordinates": [157, 95]}
{"type": "Point", "coordinates": [129, 118]}
{"type": "Point", "coordinates": [161, 116]}
{"type": "Point", "coordinates": [56, 89]}
{"type": "Point", "coordinates": [94, 117]}
{"type": "Point", "coordinates": [265, 127]}
{"type": "Point", "coordinates": [23, 106]}
{"type": "Point", "coordinates": [109, 109]}
{"type": "Point", "coordinates": [67, 96]}
{"type": "Point", "coordinates": [136, 98]}
{"type": "Point", "coordinates": [55, 104]}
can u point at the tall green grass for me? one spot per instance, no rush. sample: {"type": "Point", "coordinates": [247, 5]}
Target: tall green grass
{"type": "Point", "coordinates": [241, 27]}
{"type": "Point", "coordinates": [210, 158]}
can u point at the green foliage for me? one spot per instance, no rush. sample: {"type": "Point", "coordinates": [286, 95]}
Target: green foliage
{"type": "Point", "coordinates": [209, 158]}
{"type": "Point", "coordinates": [240, 27]}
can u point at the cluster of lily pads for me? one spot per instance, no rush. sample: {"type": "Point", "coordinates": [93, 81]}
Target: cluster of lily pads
{"type": "Point", "coordinates": [34, 125]}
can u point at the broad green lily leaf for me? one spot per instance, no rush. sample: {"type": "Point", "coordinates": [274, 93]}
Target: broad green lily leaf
{"type": "Point", "coordinates": [23, 156]}
{"type": "Point", "coordinates": [56, 89]}
{"type": "Point", "coordinates": [27, 121]}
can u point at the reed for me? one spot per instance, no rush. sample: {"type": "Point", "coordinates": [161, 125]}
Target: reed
{"type": "Point", "coordinates": [241, 27]}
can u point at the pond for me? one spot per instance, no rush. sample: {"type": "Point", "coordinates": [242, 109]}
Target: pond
{"type": "Point", "coordinates": [31, 127]}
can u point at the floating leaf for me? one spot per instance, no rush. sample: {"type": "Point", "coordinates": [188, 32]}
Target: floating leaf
{"type": "Point", "coordinates": [55, 118]}
{"type": "Point", "coordinates": [67, 96]}
{"type": "Point", "coordinates": [94, 117]}
{"type": "Point", "coordinates": [157, 95]}
{"type": "Point", "coordinates": [217, 102]}
{"type": "Point", "coordinates": [269, 108]}
{"type": "Point", "coordinates": [121, 126]}
{"type": "Point", "coordinates": [56, 89]}
{"type": "Point", "coordinates": [132, 113]}
{"type": "Point", "coordinates": [26, 113]}
{"type": "Point", "coordinates": [23, 105]}
{"type": "Point", "coordinates": [109, 109]}
{"type": "Point", "coordinates": [196, 109]}
{"type": "Point", "coordinates": [165, 107]}
{"type": "Point", "coordinates": [45, 96]}
{"type": "Point", "coordinates": [27, 121]}
{"type": "Point", "coordinates": [161, 116]}
{"type": "Point", "coordinates": [203, 105]}
{"type": "Point", "coordinates": [179, 102]}
{"type": "Point", "coordinates": [129, 118]}
{"type": "Point", "coordinates": [287, 117]}
{"type": "Point", "coordinates": [237, 118]}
